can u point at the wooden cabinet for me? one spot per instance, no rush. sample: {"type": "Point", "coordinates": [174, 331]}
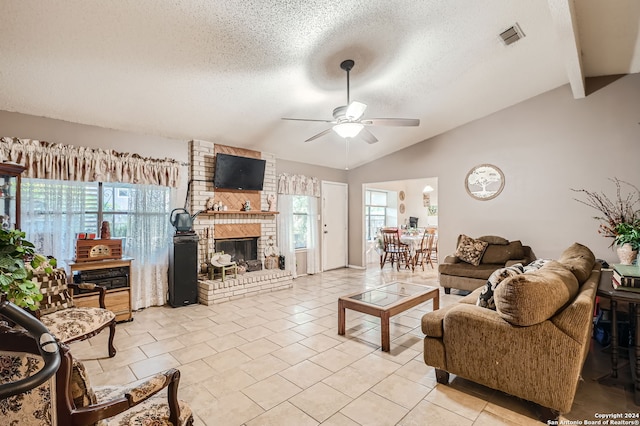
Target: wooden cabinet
{"type": "Point", "coordinates": [108, 273]}
{"type": "Point", "coordinates": [10, 195]}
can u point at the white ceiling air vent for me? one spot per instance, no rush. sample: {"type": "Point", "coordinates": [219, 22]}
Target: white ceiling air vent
{"type": "Point", "coordinates": [511, 35]}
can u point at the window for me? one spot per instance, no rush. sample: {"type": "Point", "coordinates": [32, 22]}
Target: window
{"type": "Point", "coordinates": [377, 212]}
{"type": "Point", "coordinates": [300, 221]}
{"type": "Point", "coordinates": [55, 211]}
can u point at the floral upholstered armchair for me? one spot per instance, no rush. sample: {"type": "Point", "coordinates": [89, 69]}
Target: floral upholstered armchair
{"type": "Point", "coordinates": [68, 398]}
{"type": "Point", "coordinates": [66, 321]}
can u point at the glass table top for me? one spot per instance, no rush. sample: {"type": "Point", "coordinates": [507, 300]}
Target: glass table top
{"type": "Point", "coordinates": [390, 293]}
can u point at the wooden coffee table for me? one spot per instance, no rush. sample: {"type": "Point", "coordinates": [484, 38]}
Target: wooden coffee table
{"type": "Point", "coordinates": [386, 301]}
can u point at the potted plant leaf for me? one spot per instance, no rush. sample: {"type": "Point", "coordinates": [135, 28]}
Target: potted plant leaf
{"type": "Point", "coordinates": [18, 261]}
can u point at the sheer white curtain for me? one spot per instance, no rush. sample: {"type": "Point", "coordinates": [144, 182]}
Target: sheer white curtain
{"type": "Point", "coordinates": [147, 240]}
{"type": "Point", "coordinates": [286, 242]}
{"type": "Point", "coordinates": [313, 243]}
{"type": "Point", "coordinates": [52, 212]}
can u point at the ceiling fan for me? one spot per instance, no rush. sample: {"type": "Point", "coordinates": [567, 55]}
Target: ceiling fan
{"type": "Point", "coordinates": [348, 121]}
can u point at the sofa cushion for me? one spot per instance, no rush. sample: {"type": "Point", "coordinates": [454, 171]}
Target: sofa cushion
{"type": "Point", "coordinates": [463, 269]}
{"type": "Point", "coordinates": [470, 250]}
{"type": "Point", "coordinates": [494, 239]}
{"type": "Point", "coordinates": [502, 253]}
{"type": "Point", "coordinates": [485, 298]}
{"type": "Point", "coordinates": [579, 260]}
{"type": "Point", "coordinates": [55, 292]}
{"type": "Point", "coordinates": [536, 296]}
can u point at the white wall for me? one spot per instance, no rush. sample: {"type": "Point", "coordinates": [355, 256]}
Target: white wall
{"type": "Point", "coordinates": [545, 146]}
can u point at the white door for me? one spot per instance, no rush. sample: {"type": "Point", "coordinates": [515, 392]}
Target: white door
{"type": "Point", "coordinates": [334, 225]}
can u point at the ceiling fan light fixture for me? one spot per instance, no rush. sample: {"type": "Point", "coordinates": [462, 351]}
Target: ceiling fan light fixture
{"type": "Point", "coordinates": [348, 130]}
{"type": "Point", "coordinates": [355, 110]}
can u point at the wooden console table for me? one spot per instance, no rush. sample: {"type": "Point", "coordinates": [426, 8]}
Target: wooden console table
{"type": "Point", "coordinates": [117, 300]}
{"type": "Point", "coordinates": [606, 290]}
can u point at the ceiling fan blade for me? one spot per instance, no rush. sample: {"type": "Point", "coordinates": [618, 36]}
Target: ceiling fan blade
{"type": "Point", "coordinates": [391, 121]}
{"type": "Point", "coordinates": [355, 110]}
{"type": "Point", "coordinates": [324, 132]}
{"type": "Point", "coordinates": [309, 119]}
{"type": "Point", "coordinates": [367, 136]}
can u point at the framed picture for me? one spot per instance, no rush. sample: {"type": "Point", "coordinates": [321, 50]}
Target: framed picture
{"type": "Point", "coordinates": [484, 182]}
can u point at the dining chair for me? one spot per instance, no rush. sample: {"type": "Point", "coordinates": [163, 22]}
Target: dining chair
{"type": "Point", "coordinates": [394, 249]}
{"type": "Point", "coordinates": [423, 254]}
{"type": "Point", "coordinates": [434, 250]}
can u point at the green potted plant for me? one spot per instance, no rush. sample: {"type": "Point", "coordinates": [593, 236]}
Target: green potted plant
{"type": "Point", "coordinates": [627, 241]}
{"type": "Point", "coordinates": [18, 261]}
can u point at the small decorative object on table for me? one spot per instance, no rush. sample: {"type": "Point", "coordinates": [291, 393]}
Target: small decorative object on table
{"type": "Point", "coordinates": [105, 231]}
{"type": "Point", "coordinates": [247, 206]}
{"type": "Point", "coordinates": [627, 240]}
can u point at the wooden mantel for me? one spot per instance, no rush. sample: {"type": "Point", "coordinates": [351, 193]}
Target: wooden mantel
{"type": "Point", "coordinates": [240, 212]}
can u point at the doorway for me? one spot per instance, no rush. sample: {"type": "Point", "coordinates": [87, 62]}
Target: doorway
{"type": "Point", "coordinates": [334, 225]}
{"type": "Point", "coordinates": [400, 203]}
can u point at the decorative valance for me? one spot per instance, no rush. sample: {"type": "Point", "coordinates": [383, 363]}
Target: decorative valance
{"type": "Point", "coordinates": [46, 160]}
{"type": "Point", "coordinates": [298, 185]}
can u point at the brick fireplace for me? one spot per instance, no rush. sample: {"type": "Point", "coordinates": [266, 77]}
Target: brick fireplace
{"type": "Point", "coordinates": [218, 227]}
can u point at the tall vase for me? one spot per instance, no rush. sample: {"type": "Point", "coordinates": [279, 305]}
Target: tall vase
{"type": "Point", "coordinates": [626, 254]}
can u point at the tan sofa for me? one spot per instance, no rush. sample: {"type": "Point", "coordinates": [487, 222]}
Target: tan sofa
{"type": "Point", "coordinates": [455, 273]}
{"type": "Point", "coordinates": [533, 345]}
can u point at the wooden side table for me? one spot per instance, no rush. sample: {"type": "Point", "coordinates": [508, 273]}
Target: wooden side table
{"type": "Point", "coordinates": [606, 290]}
{"type": "Point", "coordinates": [117, 299]}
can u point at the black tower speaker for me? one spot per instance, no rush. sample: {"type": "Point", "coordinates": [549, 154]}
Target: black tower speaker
{"type": "Point", "coordinates": [183, 270]}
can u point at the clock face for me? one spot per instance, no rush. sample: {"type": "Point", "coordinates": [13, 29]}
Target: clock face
{"type": "Point", "coordinates": [99, 251]}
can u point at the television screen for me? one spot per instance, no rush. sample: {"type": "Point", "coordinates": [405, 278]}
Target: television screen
{"type": "Point", "coordinates": [234, 172]}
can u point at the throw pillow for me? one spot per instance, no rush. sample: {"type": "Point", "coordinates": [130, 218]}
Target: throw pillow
{"type": "Point", "coordinates": [81, 390]}
{"type": "Point", "coordinates": [470, 250]}
{"type": "Point", "coordinates": [579, 260]}
{"type": "Point", "coordinates": [536, 264]}
{"type": "Point", "coordinates": [536, 296]}
{"type": "Point", "coordinates": [500, 254]}
{"type": "Point", "coordinates": [485, 298]}
{"type": "Point", "coordinates": [55, 292]}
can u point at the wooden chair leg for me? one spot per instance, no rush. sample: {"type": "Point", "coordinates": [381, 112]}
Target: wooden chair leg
{"type": "Point", "coordinates": [112, 333]}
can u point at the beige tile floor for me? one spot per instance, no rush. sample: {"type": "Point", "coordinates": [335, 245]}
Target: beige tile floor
{"type": "Point", "coordinates": [276, 359]}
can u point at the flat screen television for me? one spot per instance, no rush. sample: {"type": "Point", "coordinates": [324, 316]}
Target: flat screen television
{"type": "Point", "coordinates": [235, 172]}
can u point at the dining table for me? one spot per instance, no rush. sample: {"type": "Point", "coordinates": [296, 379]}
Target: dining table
{"type": "Point", "coordinates": [413, 241]}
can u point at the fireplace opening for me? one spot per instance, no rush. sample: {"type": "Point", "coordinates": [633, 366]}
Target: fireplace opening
{"type": "Point", "coordinates": [244, 251]}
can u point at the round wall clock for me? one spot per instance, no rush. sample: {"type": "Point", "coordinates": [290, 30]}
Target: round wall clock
{"type": "Point", "coordinates": [401, 195]}
{"type": "Point", "coordinates": [401, 208]}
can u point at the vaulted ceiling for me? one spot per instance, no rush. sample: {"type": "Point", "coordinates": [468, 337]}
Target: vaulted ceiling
{"type": "Point", "coordinates": [227, 71]}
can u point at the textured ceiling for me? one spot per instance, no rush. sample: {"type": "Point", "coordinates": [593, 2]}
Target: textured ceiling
{"type": "Point", "coordinates": [228, 71]}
